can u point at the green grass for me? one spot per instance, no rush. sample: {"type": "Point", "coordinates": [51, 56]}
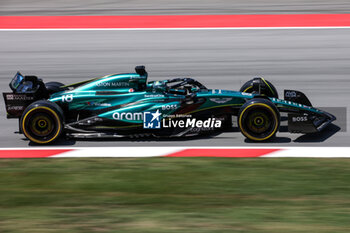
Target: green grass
{"type": "Point", "coordinates": [175, 195]}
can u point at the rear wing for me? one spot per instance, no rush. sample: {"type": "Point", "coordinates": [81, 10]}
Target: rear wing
{"type": "Point", "coordinates": [16, 103]}
{"type": "Point", "coordinates": [25, 90]}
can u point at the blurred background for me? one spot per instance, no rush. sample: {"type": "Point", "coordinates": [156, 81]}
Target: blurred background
{"type": "Point", "coordinates": [172, 194]}
{"type": "Point", "coordinates": [314, 61]}
{"type": "Point", "coordinates": [171, 7]}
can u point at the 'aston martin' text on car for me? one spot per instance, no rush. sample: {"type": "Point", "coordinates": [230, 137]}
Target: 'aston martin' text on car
{"type": "Point", "coordinates": [126, 105]}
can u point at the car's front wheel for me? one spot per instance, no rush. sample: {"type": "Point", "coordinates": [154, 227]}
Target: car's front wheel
{"type": "Point", "coordinates": [42, 122]}
{"type": "Point", "coordinates": [258, 119]}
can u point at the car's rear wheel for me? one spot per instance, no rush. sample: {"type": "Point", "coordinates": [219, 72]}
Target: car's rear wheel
{"type": "Point", "coordinates": [260, 86]}
{"type": "Point", "coordinates": [258, 119]}
{"type": "Point", "coordinates": [42, 122]}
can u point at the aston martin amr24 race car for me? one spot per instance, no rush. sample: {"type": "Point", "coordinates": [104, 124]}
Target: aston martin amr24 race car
{"type": "Point", "coordinates": [126, 105]}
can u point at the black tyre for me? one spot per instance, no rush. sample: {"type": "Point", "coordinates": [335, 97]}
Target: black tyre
{"type": "Point", "coordinates": [42, 122]}
{"type": "Point", "coordinates": [53, 87]}
{"type": "Point", "coordinates": [266, 88]}
{"type": "Point", "coordinates": [258, 119]}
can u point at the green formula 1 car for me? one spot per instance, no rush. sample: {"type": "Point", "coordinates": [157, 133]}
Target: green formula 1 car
{"type": "Point", "coordinates": [126, 105]}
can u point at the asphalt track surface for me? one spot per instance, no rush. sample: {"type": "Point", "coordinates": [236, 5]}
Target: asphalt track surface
{"type": "Point", "coordinates": [171, 7]}
{"type": "Point", "coordinates": [315, 61]}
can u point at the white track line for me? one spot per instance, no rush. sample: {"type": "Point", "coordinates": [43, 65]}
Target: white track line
{"type": "Point", "coordinates": [173, 29]}
{"type": "Point", "coordinates": [283, 152]}
{"type": "Point", "coordinates": [122, 152]}
{"type": "Point", "coordinates": [132, 152]}
{"type": "Point", "coordinates": [311, 152]}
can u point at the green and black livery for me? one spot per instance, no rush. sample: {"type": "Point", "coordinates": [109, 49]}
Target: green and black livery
{"type": "Point", "coordinates": [116, 106]}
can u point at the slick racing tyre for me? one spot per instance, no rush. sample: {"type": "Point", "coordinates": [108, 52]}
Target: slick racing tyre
{"type": "Point", "coordinates": [53, 87]}
{"type": "Point", "coordinates": [266, 88]}
{"type": "Point", "coordinates": [258, 119]}
{"type": "Point", "coordinates": [42, 122]}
